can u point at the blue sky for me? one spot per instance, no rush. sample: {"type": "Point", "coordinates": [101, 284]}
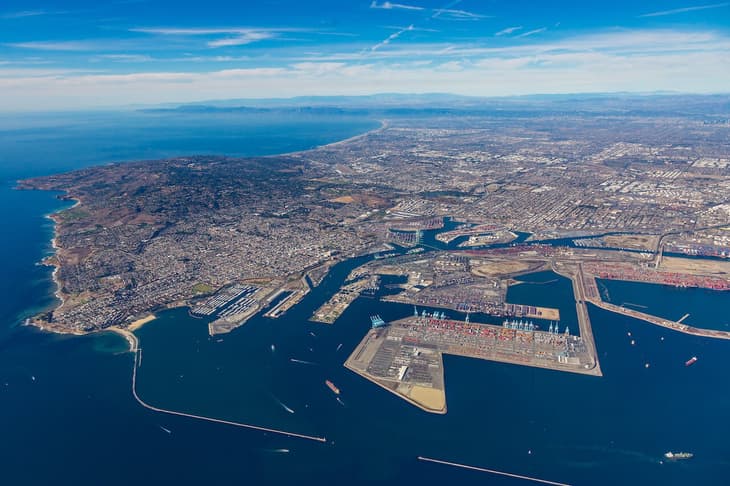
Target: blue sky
{"type": "Point", "coordinates": [82, 53]}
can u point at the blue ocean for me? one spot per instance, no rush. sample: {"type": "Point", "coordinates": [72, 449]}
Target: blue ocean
{"type": "Point", "coordinates": [67, 414]}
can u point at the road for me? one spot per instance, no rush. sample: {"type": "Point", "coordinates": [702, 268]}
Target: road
{"type": "Point", "coordinates": [584, 320]}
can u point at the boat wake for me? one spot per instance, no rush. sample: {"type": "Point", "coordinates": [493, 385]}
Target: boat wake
{"type": "Point", "coordinates": [301, 361]}
{"type": "Point", "coordinates": [283, 405]}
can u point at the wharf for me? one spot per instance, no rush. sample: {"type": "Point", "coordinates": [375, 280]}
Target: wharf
{"type": "Point", "coordinates": [331, 310]}
{"type": "Point", "coordinates": [287, 303]}
{"type": "Point", "coordinates": [406, 357]}
{"type": "Point", "coordinates": [590, 293]}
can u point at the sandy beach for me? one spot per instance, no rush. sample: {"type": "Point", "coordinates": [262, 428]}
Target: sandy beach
{"type": "Point", "coordinates": [141, 322]}
{"type": "Point", "coordinates": [128, 335]}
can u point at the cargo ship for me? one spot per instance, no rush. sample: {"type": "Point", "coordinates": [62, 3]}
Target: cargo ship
{"type": "Point", "coordinates": [332, 387]}
{"type": "Point", "coordinates": [691, 361]}
{"type": "Point", "coordinates": [675, 456]}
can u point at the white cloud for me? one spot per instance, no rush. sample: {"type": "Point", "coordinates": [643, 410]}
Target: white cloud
{"type": "Point", "coordinates": [123, 57]}
{"type": "Point", "coordinates": [56, 45]}
{"type": "Point", "coordinates": [391, 6]}
{"type": "Point", "coordinates": [531, 32]}
{"type": "Point", "coordinates": [235, 36]}
{"type": "Point", "coordinates": [189, 31]}
{"type": "Point", "coordinates": [22, 14]}
{"type": "Point", "coordinates": [240, 40]}
{"type": "Point", "coordinates": [508, 30]}
{"type": "Point", "coordinates": [447, 13]}
{"type": "Point", "coordinates": [391, 38]}
{"type": "Point", "coordinates": [644, 60]}
{"type": "Point", "coordinates": [685, 10]}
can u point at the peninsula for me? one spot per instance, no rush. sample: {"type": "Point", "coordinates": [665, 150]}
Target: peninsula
{"type": "Point", "coordinates": [620, 196]}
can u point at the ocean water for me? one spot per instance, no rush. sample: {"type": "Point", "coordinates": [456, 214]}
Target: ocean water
{"type": "Point", "coordinates": [67, 414]}
{"type": "Point", "coordinates": [705, 308]}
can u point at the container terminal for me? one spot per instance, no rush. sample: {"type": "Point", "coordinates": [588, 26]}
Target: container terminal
{"type": "Point", "coordinates": [405, 356]}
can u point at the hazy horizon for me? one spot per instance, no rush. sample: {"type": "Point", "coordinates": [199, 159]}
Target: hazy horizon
{"type": "Point", "coordinates": [82, 54]}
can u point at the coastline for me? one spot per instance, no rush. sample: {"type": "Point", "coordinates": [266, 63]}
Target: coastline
{"type": "Point", "coordinates": [126, 334]}
{"type": "Point", "coordinates": [383, 126]}
{"type": "Point", "coordinates": [133, 326]}
{"type": "Point", "coordinates": [52, 259]}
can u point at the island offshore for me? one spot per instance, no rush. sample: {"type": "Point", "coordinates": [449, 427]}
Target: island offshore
{"type": "Point", "coordinates": [232, 237]}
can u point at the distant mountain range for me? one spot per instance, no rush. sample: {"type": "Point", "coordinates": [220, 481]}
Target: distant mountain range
{"type": "Point", "coordinates": [664, 104]}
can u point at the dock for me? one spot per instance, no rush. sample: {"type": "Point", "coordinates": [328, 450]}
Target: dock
{"type": "Point", "coordinates": [331, 310]}
{"type": "Point", "coordinates": [575, 274]}
{"type": "Point", "coordinates": [406, 356]}
{"type": "Point", "coordinates": [594, 297]}
{"type": "Point", "coordinates": [286, 303]}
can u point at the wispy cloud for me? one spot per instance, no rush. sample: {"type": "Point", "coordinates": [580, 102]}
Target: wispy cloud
{"type": "Point", "coordinates": [55, 45]}
{"type": "Point", "coordinates": [556, 72]}
{"type": "Point", "coordinates": [188, 31]}
{"type": "Point", "coordinates": [685, 10]}
{"type": "Point", "coordinates": [508, 30]}
{"type": "Point", "coordinates": [531, 32]}
{"type": "Point", "coordinates": [445, 13]}
{"type": "Point", "coordinates": [391, 6]}
{"type": "Point", "coordinates": [22, 14]}
{"type": "Point", "coordinates": [240, 40]}
{"type": "Point", "coordinates": [449, 13]}
{"type": "Point", "coordinates": [123, 58]}
{"type": "Point", "coordinates": [234, 36]}
{"type": "Point", "coordinates": [391, 38]}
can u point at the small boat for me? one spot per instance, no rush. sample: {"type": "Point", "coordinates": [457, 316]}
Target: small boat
{"type": "Point", "coordinates": [338, 347]}
{"type": "Point", "coordinates": [332, 387]}
{"type": "Point", "coordinates": [691, 361]}
{"type": "Point", "coordinates": [166, 430]}
{"type": "Point", "coordinates": [677, 456]}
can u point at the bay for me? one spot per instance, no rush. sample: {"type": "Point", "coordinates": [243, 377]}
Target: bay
{"type": "Point", "coordinates": [68, 415]}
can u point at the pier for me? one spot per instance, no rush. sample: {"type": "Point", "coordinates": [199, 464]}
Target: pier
{"type": "Point", "coordinates": [491, 471]}
{"type": "Point", "coordinates": [584, 320]}
{"type": "Point", "coordinates": [659, 321]}
{"type": "Point", "coordinates": [405, 356]}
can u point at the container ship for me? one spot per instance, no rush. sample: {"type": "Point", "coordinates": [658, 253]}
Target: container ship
{"type": "Point", "coordinates": [332, 387]}
{"type": "Point", "coordinates": [691, 361]}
